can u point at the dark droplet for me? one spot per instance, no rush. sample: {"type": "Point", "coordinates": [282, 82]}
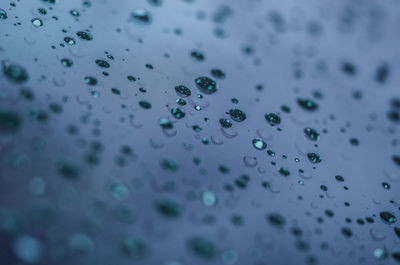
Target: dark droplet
{"type": "Point", "coordinates": [15, 72]}
{"type": "Point", "coordinates": [259, 144]}
{"type": "Point", "coordinates": [307, 104]}
{"type": "Point", "coordinates": [276, 220]}
{"type": "Point", "coordinates": [3, 14]}
{"type": "Point", "coordinates": [67, 62]}
{"type": "Point", "coordinates": [183, 91]}
{"type": "Point", "coordinates": [134, 248]}
{"type": "Point", "coordinates": [178, 113]}
{"type": "Point", "coordinates": [272, 119]}
{"type": "Point", "coordinates": [91, 81]}
{"type": "Point", "coordinates": [218, 73]}
{"type": "Point", "coordinates": [314, 158]}
{"type": "Point", "coordinates": [225, 123]}
{"type": "Point", "coordinates": [397, 231]}
{"type": "Point", "coordinates": [102, 63]}
{"type": "Point", "coordinates": [396, 256]}
{"type": "Point", "coordinates": [10, 122]}
{"type": "Point", "coordinates": [382, 73]}
{"type": "Point", "coordinates": [206, 85]}
{"type": "Point", "coordinates": [197, 55]}
{"type": "Point", "coordinates": [201, 247]}
{"type": "Point", "coordinates": [396, 159]}
{"type": "Point", "coordinates": [284, 171]}
{"type": "Point", "coordinates": [169, 165]}
{"type": "Point", "coordinates": [141, 16]}
{"type": "Point", "coordinates": [339, 178]}
{"type": "Point", "coordinates": [387, 217]}
{"type": "Point", "coordinates": [169, 208]}
{"type": "Point", "coordinates": [144, 104]}
{"type": "Point", "coordinates": [70, 40]}
{"type": "Point", "coordinates": [84, 35]}
{"type": "Point", "coordinates": [311, 134]}
{"type": "Point", "coordinates": [237, 115]}
{"type": "Point", "coordinates": [68, 171]}
{"type": "Point", "coordinates": [347, 232]}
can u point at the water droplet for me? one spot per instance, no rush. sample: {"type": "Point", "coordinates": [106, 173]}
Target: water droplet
{"type": "Point", "coordinates": [75, 13]}
{"type": "Point", "coordinates": [307, 104]}
{"type": "Point", "coordinates": [36, 22]}
{"type": "Point", "coordinates": [347, 232]}
{"type": "Point", "coordinates": [397, 231]}
{"type": "Point", "coordinates": [141, 16]}
{"type": "Point", "coordinates": [276, 220]}
{"type": "Point", "coordinates": [28, 249]}
{"type": "Point", "coordinates": [201, 247]}
{"type": "Point", "coordinates": [339, 178]}
{"type": "Point", "coordinates": [156, 3]}
{"type": "Point", "coordinates": [284, 171]}
{"type": "Point", "coordinates": [84, 35]}
{"type": "Point", "coordinates": [169, 165]}
{"type": "Point", "coordinates": [169, 208]}
{"type": "Point", "coordinates": [178, 113]}
{"type": "Point", "coordinates": [218, 73]}
{"type": "Point", "coordinates": [237, 115]}
{"type": "Point", "coordinates": [259, 144]}
{"type": "Point", "coordinates": [272, 119]}
{"type": "Point", "coordinates": [134, 248]}
{"type": "Point", "coordinates": [144, 104]}
{"type": "Point", "coordinates": [3, 14]}
{"type": "Point", "coordinates": [91, 81]}
{"type": "Point", "coordinates": [183, 91]}
{"type": "Point", "coordinates": [15, 72]}
{"type": "Point", "coordinates": [10, 122]}
{"type": "Point", "coordinates": [380, 254]}
{"type": "Point", "coordinates": [387, 217]}
{"type": "Point", "coordinates": [70, 41]}
{"type": "Point", "coordinates": [311, 134]}
{"type": "Point", "coordinates": [206, 85]}
{"type": "Point", "coordinates": [102, 63]}
{"type": "Point", "coordinates": [225, 123]}
{"type": "Point", "coordinates": [314, 158]}
{"type": "Point", "coordinates": [197, 55]}
{"type": "Point", "coordinates": [385, 185]}
{"type": "Point", "coordinates": [66, 62]}
{"type": "Point", "coordinates": [118, 190]}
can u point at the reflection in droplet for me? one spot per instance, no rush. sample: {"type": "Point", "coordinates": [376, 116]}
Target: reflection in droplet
{"type": "Point", "coordinates": [259, 144]}
{"type": "Point", "coordinates": [36, 22]}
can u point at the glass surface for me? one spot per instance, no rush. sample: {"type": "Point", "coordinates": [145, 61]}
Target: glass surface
{"type": "Point", "coordinates": [177, 132]}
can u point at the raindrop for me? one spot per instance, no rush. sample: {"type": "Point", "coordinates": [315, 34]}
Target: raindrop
{"type": "Point", "coordinates": [387, 217]}
{"type": "Point", "coordinates": [206, 85]}
{"type": "Point", "coordinates": [15, 72]}
{"type": "Point", "coordinates": [259, 144]}
{"type": "Point", "coordinates": [3, 14]}
{"type": "Point", "coordinates": [183, 91]}
{"type": "Point", "coordinates": [311, 134]}
{"type": "Point", "coordinates": [237, 115]}
{"type": "Point", "coordinates": [272, 119]}
{"type": "Point", "coordinates": [307, 104]}
{"type": "Point", "coordinates": [141, 16]}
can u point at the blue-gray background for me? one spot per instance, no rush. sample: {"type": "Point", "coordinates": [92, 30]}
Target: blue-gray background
{"type": "Point", "coordinates": [72, 221]}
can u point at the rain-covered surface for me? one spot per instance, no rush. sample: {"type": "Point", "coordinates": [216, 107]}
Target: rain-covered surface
{"type": "Point", "coordinates": [172, 132]}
